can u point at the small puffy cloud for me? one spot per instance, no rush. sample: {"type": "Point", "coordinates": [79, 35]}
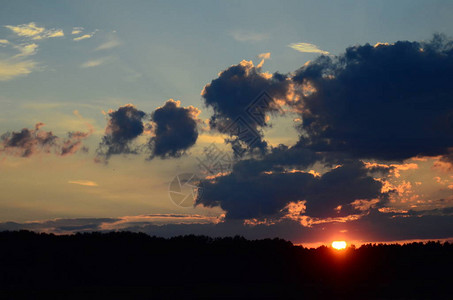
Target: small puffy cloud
{"type": "Point", "coordinates": [4, 42]}
{"type": "Point", "coordinates": [175, 129]}
{"type": "Point", "coordinates": [124, 126]}
{"type": "Point", "coordinates": [34, 32]}
{"type": "Point", "coordinates": [83, 182]}
{"type": "Point", "coordinates": [249, 36]}
{"type": "Point", "coordinates": [10, 69]}
{"type": "Point", "coordinates": [307, 48]}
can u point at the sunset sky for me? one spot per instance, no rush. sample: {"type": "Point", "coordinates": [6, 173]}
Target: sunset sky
{"type": "Point", "coordinates": [331, 119]}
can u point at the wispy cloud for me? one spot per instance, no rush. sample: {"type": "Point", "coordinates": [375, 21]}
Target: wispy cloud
{"type": "Point", "coordinates": [83, 182]}
{"type": "Point", "coordinates": [263, 57]}
{"type": "Point", "coordinates": [18, 65]}
{"type": "Point", "coordinates": [85, 36]}
{"type": "Point", "coordinates": [307, 48]}
{"type": "Point", "coordinates": [112, 42]}
{"type": "Point", "coordinates": [26, 50]}
{"type": "Point", "coordinates": [10, 69]}
{"type": "Point", "coordinates": [34, 32]}
{"type": "Point", "coordinates": [27, 30]}
{"type": "Point", "coordinates": [249, 36]}
{"type": "Point", "coordinates": [266, 55]}
{"type": "Point", "coordinates": [77, 30]}
{"type": "Point", "coordinates": [93, 63]}
{"type": "Point", "coordinates": [54, 33]}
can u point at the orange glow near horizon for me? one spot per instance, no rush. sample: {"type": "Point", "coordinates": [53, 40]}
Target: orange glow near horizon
{"type": "Point", "coordinates": [339, 245]}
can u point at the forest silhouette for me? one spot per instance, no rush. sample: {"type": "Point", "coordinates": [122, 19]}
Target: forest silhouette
{"type": "Point", "coordinates": [136, 265]}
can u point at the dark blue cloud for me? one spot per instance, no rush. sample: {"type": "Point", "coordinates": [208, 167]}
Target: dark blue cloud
{"type": "Point", "coordinates": [241, 98]}
{"type": "Point", "coordinates": [175, 129]}
{"type": "Point", "coordinates": [388, 102]}
{"type": "Point", "coordinates": [124, 126]}
{"type": "Point", "coordinates": [250, 192]}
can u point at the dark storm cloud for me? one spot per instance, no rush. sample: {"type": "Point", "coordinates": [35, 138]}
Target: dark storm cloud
{"type": "Point", "coordinates": [389, 102]}
{"type": "Point", "coordinates": [124, 126]}
{"type": "Point", "coordinates": [28, 142]}
{"type": "Point", "coordinates": [175, 129]}
{"type": "Point", "coordinates": [249, 192]}
{"type": "Point", "coordinates": [244, 94]}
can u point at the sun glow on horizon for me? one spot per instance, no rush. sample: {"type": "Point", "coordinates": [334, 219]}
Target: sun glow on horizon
{"type": "Point", "coordinates": [339, 245]}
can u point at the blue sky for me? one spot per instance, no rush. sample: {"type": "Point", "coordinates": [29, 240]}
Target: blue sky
{"type": "Point", "coordinates": [172, 49]}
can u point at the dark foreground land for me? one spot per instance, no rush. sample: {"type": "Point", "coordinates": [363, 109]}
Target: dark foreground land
{"type": "Point", "coordinates": [130, 265]}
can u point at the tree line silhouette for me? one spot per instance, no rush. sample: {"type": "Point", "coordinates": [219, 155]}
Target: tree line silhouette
{"type": "Point", "coordinates": [135, 265]}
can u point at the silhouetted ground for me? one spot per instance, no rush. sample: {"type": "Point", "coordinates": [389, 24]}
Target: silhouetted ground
{"type": "Point", "coordinates": [133, 265]}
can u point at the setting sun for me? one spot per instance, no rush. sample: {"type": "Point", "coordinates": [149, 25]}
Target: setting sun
{"type": "Point", "coordinates": [339, 245]}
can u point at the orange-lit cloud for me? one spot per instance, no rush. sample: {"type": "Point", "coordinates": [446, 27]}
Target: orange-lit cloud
{"type": "Point", "coordinates": [83, 182]}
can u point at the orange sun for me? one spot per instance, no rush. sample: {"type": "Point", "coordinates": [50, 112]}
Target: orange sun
{"type": "Point", "coordinates": [339, 245]}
